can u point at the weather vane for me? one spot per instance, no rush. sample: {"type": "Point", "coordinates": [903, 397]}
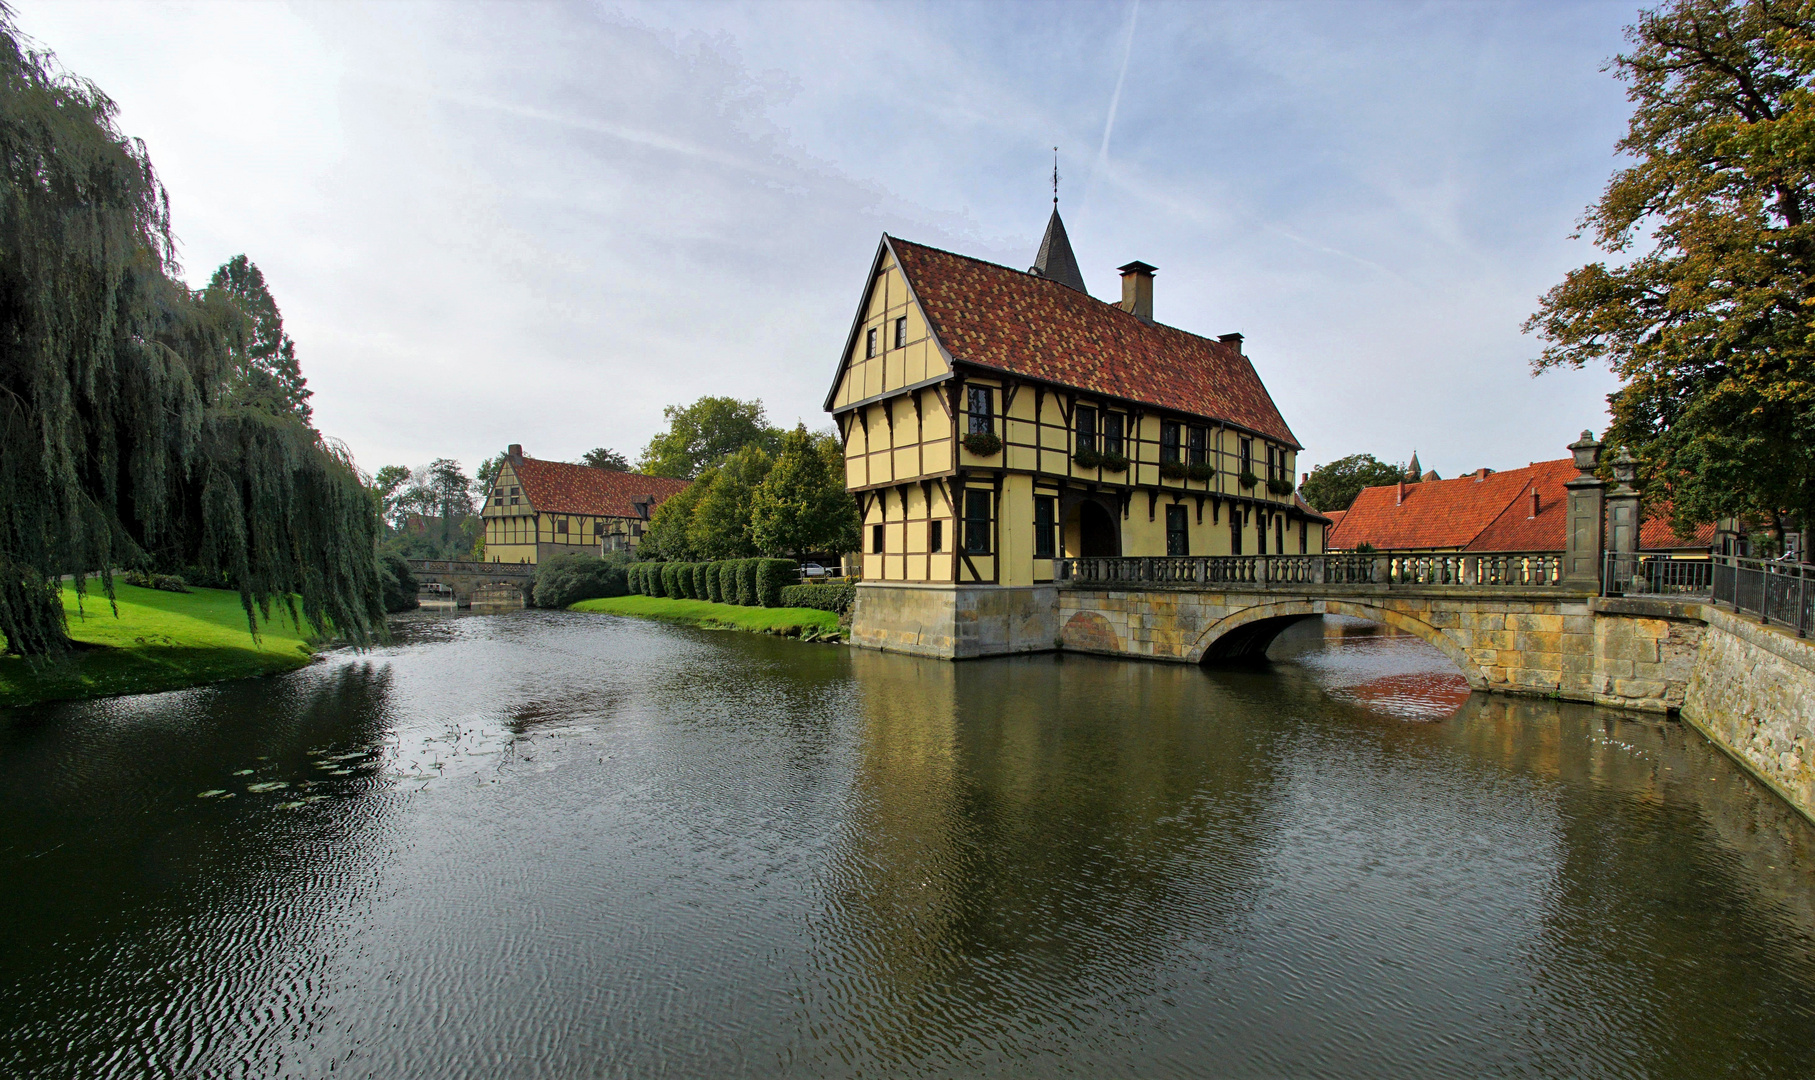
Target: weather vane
{"type": "Point", "coordinates": [1055, 177]}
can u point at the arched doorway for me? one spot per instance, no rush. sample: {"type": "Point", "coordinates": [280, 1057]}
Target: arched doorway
{"type": "Point", "coordinates": [1093, 530]}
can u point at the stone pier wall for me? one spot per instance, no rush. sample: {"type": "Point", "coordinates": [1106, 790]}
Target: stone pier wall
{"type": "Point", "coordinates": [955, 622]}
{"type": "Point", "coordinates": [1752, 692]}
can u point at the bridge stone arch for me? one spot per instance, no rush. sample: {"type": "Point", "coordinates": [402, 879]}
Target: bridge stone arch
{"type": "Point", "coordinates": [1245, 634]}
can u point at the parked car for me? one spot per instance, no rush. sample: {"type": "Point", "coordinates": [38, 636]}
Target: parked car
{"type": "Point", "coordinates": [813, 570]}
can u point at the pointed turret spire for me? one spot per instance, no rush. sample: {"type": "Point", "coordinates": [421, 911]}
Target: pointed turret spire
{"type": "Point", "coordinates": [1055, 261]}
{"type": "Point", "coordinates": [1413, 472]}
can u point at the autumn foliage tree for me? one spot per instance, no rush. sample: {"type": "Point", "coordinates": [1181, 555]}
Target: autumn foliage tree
{"type": "Point", "coordinates": [1708, 317]}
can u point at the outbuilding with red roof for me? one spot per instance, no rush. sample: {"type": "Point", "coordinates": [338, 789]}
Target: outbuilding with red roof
{"type": "Point", "coordinates": [536, 509]}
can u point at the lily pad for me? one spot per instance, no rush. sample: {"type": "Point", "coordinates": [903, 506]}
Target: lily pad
{"type": "Point", "coordinates": [289, 806]}
{"type": "Point", "coordinates": [269, 785]}
{"type": "Point", "coordinates": [243, 772]}
{"type": "Point", "coordinates": [213, 794]}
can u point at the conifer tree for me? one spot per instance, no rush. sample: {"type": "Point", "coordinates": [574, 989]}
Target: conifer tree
{"type": "Point", "coordinates": [120, 442]}
{"type": "Point", "coordinates": [266, 374]}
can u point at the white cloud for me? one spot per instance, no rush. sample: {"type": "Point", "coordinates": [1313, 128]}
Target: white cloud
{"type": "Point", "coordinates": [540, 224]}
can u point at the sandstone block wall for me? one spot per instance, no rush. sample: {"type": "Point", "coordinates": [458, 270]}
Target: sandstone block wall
{"type": "Point", "coordinates": [1752, 691]}
{"type": "Point", "coordinates": [955, 622]}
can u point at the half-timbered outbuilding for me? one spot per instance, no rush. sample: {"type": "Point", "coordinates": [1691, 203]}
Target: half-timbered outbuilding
{"type": "Point", "coordinates": [537, 509]}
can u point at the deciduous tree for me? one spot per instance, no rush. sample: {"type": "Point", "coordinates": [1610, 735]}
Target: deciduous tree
{"type": "Point", "coordinates": [609, 460]}
{"type": "Point", "coordinates": [720, 527]}
{"type": "Point", "coordinates": [802, 506]}
{"type": "Point", "coordinates": [704, 433]}
{"type": "Point", "coordinates": [1335, 485]}
{"type": "Point", "coordinates": [1709, 316]}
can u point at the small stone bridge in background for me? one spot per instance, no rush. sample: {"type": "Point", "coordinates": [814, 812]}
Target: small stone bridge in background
{"type": "Point", "coordinates": [1511, 623]}
{"type": "Point", "coordinates": [487, 581]}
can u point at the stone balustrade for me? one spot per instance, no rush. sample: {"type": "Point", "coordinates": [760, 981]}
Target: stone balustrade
{"type": "Point", "coordinates": [1514, 570]}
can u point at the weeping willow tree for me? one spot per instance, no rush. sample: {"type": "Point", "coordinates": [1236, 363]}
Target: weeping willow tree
{"type": "Point", "coordinates": [120, 444]}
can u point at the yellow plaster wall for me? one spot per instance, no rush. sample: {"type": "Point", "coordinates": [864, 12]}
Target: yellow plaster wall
{"type": "Point", "coordinates": [892, 368]}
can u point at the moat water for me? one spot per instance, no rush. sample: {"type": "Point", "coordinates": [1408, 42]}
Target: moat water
{"type": "Point", "coordinates": [559, 845]}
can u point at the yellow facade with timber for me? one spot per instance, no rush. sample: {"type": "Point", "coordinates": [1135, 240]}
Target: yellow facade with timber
{"type": "Point", "coordinates": [535, 509]}
{"type": "Point", "coordinates": [970, 474]}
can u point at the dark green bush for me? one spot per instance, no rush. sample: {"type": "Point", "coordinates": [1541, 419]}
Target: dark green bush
{"type": "Point", "coordinates": [671, 583]}
{"type": "Point", "coordinates": [746, 581]}
{"type": "Point", "coordinates": [164, 582]}
{"type": "Point", "coordinates": [727, 581]}
{"type": "Point", "coordinates": [772, 576]}
{"type": "Point", "coordinates": [836, 598]}
{"type": "Point", "coordinates": [569, 579]}
{"type": "Point", "coordinates": [700, 573]}
{"type": "Point", "coordinates": [633, 578]}
{"type": "Point", "coordinates": [714, 592]}
{"type": "Point", "coordinates": [398, 583]}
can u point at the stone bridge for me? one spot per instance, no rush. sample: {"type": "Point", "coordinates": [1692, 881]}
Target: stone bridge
{"type": "Point", "coordinates": [487, 580]}
{"type": "Point", "coordinates": [1509, 622]}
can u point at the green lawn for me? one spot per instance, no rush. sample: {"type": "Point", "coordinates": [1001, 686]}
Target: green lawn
{"type": "Point", "coordinates": [787, 620]}
{"type": "Point", "coordinates": [160, 641]}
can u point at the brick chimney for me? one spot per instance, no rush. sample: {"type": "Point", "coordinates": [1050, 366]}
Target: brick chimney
{"type": "Point", "coordinates": [514, 451]}
{"type": "Point", "coordinates": [1401, 500]}
{"type": "Point", "coordinates": [1534, 502]}
{"type": "Point", "coordinates": [1137, 289]}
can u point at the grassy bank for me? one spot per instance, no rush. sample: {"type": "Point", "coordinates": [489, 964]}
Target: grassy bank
{"type": "Point", "coordinates": [787, 620]}
{"type": "Point", "coordinates": [160, 641]}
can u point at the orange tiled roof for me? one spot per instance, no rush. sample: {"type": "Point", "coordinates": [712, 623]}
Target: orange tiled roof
{"type": "Point", "coordinates": [557, 487]}
{"type": "Point", "coordinates": [1015, 322]}
{"type": "Point", "coordinates": [1335, 516]}
{"type": "Point", "coordinates": [1493, 513]}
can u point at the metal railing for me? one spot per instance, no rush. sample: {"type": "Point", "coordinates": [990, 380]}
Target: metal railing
{"type": "Point", "coordinates": [1543, 569]}
{"type": "Point", "coordinates": [446, 566]}
{"type": "Point", "coordinates": [1776, 592]}
{"type": "Point", "coordinates": [1639, 574]}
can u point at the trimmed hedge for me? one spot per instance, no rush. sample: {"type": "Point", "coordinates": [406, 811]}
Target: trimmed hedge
{"type": "Point", "coordinates": [671, 585]}
{"type": "Point", "coordinates": [727, 580]}
{"type": "Point", "coordinates": [700, 591]}
{"type": "Point", "coordinates": [835, 598]}
{"type": "Point", "coordinates": [746, 582]}
{"type": "Point", "coordinates": [772, 576]}
{"type": "Point", "coordinates": [568, 579]}
{"type": "Point", "coordinates": [714, 592]}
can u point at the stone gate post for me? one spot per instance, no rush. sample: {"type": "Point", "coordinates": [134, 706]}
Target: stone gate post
{"type": "Point", "coordinates": [1623, 506]}
{"type": "Point", "coordinates": [1587, 518]}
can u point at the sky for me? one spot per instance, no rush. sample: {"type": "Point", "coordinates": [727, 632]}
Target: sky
{"type": "Point", "coordinates": [542, 223]}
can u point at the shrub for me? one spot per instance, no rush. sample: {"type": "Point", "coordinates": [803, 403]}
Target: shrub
{"type": "Point", "coordinates": [639, 578]}
{"type": "Point", "coordinates": [1280, 487]}
{"type": "Point", "coordinates": [772, 576]}
{"type": "Point", "coordinates": [1087, 458]}
{"type": "Point", "coordinates": [164, 582]}
{"type": "Point", "coordinates": [1201, 471]}
{"type": "Point", "coordinates": [683, 580]}
{"type": "Point", "coordinates": [746, 582]}
{"type": "Point", "coordinates": [701, 571]}
{"type": "Point", "coordinates": [714, 591]}
{"type": "Point", "coordinates": [1115, 463]}
{"type": "Point", "coordinates": [835, 598]}
{"type": "Point", "coordinates": [727, 581]}
{"type": "Point", "coordinates": [1248, 479]}
{"type": "Point", "coordinates": [983, 444]}
{"type": "Point", "coordinates": [671, 585]}
{"type": "Point", "coordinates": [569, 579]}
{"type": "Point", "coordinates": [1173, 470]}
{"type": "Point", "coordinates": [397, 583]}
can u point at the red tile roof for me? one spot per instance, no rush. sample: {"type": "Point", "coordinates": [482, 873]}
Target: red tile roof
{"type": "Point", "coordinates": [557, 487]}
{"type": "Point", "coordinates": [1335, 516]}
{"type": "Point", "coordinates": [1491, 513]}
{"type": "Point", "coordinates": [1015, 322]}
